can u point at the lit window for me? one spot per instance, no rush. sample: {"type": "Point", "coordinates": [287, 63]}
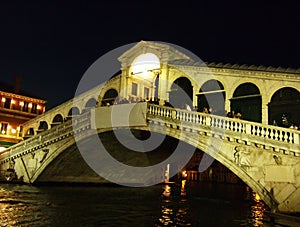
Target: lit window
{"type": "Point", "coordinates": [13, 101]}
{"type": "Point", "coordinates": [3, 99]}
{"type": "Point", "coordinates": [30, 105]}
{"type": "Point", "coordinates": [38, 107]}
{"type": "Point", "coordinates": [13, 131]}
{"type": "Point", "coordinates": [134, 89]}
{"type": "Point", "coordinates": [4, 127]}
{"type": "Point", "coordinates": [21, 103]}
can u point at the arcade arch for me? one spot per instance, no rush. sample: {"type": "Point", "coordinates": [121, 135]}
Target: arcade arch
{"type": "Point", "coordinates": [284, 107]}
{"type": "Point", "coordinates": [109, 97]}
{"type": "Point", "coordinates": [181, 93]}
{"type": "Point", "coordinates": [212, 95]}
{"type": "Point", "coordinates": [247, 101]}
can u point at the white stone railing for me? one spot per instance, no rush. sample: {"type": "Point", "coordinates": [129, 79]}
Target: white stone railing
{"type": "Point", "coordinates": [53, 134]}
{"type": "Point", "coordinates": [229, 124]}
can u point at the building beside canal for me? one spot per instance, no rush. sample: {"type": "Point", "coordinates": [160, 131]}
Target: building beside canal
{"type": "Point", "coordinates": [16, 107]}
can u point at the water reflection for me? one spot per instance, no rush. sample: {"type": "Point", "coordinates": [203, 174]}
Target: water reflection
{"type": "Point", "coordinates": [257, 210]}
{"type": "Point", "coordinates": [175, 210]}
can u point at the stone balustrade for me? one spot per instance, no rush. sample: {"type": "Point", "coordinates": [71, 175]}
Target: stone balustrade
{"type": "Point", "coordinates": [254, 130]}
{"type": "Point", "coordinates": [268, 135]}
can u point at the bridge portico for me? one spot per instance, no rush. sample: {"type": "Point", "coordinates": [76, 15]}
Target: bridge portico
{"type": "Point", "coordinates": [264, 156]}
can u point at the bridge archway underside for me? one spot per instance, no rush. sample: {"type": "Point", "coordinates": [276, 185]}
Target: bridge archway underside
{"type": "Point", "coordinates": [253, 158]}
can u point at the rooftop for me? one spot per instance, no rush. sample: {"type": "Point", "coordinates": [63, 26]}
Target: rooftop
{"type": "Point", "coordinates": [236, 66]}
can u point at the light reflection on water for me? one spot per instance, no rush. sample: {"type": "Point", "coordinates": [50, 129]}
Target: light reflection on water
{"type": "Point", "coordinates": [185, 204]}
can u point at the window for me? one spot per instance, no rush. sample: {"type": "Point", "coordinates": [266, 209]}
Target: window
{"type": "Point", "coordinates": [25, 107]}
{"type": "Point", "coordinates": [146, 93]}
{"type": "Point", "coordinates": [4, 127]}
{"type": "Point", "coordinates": [34, 108]}
{"type": "Point", "coordinates": [7, 103]}
{"type": "Point", "coordinates": [134, 89]}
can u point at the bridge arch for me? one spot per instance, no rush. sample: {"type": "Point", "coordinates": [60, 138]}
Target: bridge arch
{"type": "Point", "coordinates": [181, 92]}
{"type": "Point", "coordinates": [284, 107]}
{"type": "Point", "coordinates": [212, 90]}
{"type": "Point", "coordinates": [247, 100]}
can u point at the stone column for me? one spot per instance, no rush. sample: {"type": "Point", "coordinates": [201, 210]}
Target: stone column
{"type": "Point", "coordinates": [264, 113]}
{"type": "Point", "coordinates": [163, 84]}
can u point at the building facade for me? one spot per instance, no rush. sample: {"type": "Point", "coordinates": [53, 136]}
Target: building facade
{"type": "Point", "coordinates": [16, 107]}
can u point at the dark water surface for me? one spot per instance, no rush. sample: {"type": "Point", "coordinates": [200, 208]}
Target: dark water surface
{"type": "Point", "coordinates": [190, 204]}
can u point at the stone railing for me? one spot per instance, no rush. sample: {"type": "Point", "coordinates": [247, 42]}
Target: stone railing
{"type": "Point", "coordinates": [44, 138]}
{"type": "Point", "coordinates": [270, 132]}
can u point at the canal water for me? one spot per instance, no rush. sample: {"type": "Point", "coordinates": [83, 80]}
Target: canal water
{"type": "Point", "coordinates": [185, 204]}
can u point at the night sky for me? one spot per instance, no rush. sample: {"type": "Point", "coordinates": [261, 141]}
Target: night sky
{"type": "Point", "coordinates": [50, 44]}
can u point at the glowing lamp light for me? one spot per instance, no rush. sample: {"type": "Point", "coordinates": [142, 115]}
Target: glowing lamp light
{"type": "Point", "coordinates": [38, 107]}
{"type": "Point", "coordinates": [13, 101]}
{"type": "Point", "coordinates": [21, 103]}
{"type": "Point", "coordinates": [144, 64]}
{"type": "Point", "coordinates": [30, 105]}
{"type": "Point", "coordinates": [3, 132]}
{"type": "Point", "coordinates": [3, 99]}
{"type": "Point", "coordinates": [13, 131]}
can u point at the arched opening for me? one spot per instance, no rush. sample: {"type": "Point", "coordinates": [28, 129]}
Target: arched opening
{"type": "Point", "coordinates": [58, 119]}
{"type": "Point", "coordinates": [246, 100]}
{"type": "Point", "coordinates": [109, 97]}
{"type": "Point", "coordinates": [212, 96]}
{"type": "Point", "coordinates": [29, 133]}
{"type": "Point", "coordinates": [43, 126]}
{"type": "Point", "coordinates": [91, 103]}
{"type": "Point", "coordinates": [284, 108]}
{"type": "Point", "coordinates": [181, 93]}
{"type": "Point", "coordinates": [145, 66]}
{"type": "Point", "coordinates": [74, 111]}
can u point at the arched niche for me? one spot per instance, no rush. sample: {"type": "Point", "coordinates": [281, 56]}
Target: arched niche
{"type": "Point", "coordinates": [212, 96]}
{"type": "Point", "coordinates": [247, 101]}
{"type": "Point", "coordinates": [284, 107]}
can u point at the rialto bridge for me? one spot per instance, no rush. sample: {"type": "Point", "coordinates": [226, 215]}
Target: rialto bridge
{"type": "Point", "coordinates": [259, 148]}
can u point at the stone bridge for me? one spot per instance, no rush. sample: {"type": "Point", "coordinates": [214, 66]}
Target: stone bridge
{"type": "Point", "coordinates": [266, 158]}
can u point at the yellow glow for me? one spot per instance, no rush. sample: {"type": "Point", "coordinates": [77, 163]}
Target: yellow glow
{"type": "Point", "coordinates": [13, 131]}
{"type": "Point", "coordinates": [9, 127]}
{"type": "Point", "coordinates": [21, 103]}
{"type": "Point", "coordinates": [2, 149]}
{"type": "Point", "coordinates": [184, 173]}
{"type": "Point", "coordinates": [18, 128]}
{"type": "Point", "coordinates": [256, 197]}
{"type": "Point", "coordinates": [3, 99]}
{"type": "Point", "coordinates": [144, 63]}
{"type": "Point", "coordinates": [38, 107]}
{"type": "Point", "coordinates": [13, 101]}
{"type": "Point", "coordinates": [30, 105]}
{"type": "Point", "coordinates": [3, 132]}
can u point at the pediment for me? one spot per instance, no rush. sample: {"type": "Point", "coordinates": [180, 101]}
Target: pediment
{"type": "Point", "coordinates": [165, 52]}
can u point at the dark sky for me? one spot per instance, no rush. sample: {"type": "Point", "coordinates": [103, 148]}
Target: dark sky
{"type": "Point", "coordinates": [50, 44]}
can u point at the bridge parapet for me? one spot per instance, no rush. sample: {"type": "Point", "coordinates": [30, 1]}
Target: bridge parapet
{"type": "Point", "coordinates": [45, 138]}
{"type": "Point", "coordinates": [271, 137]}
